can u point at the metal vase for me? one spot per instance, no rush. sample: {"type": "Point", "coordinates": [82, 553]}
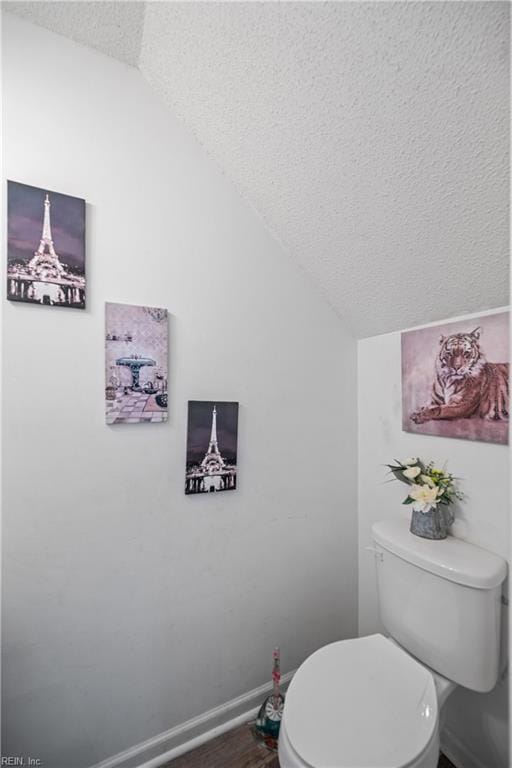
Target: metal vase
{"type": "Point", "coordinates": [430, 525]}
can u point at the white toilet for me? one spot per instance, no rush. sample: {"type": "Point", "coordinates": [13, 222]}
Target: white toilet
{"type": "Point", "coordinates": [376, 702]}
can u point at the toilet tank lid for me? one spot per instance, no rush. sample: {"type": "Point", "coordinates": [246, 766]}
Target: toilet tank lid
{"type": "Point", "coordinates": [451, 558]}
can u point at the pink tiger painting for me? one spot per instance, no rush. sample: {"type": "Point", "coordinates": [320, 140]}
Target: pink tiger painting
{"type": "Point", "coordinates": [451, 385]}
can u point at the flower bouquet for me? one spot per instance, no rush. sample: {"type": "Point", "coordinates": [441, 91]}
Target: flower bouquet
{"type": "Point", "coordinates": [431, 492]}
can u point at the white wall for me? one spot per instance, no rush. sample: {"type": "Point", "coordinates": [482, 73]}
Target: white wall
{"type": "Point", "coordinates": [129, 607]}
{"type": "Point", "coordinates": [478, 722]}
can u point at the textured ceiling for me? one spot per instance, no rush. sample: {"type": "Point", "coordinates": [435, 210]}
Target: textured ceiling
{"type": "Point", "coordinates": [372, 138]}
{"type": "Point", "coordinates": [114, 28]}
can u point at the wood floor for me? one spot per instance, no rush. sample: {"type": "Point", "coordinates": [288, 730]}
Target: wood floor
{"type": "Point", "coordinates": [238, 749]}
{"type": "Point", "coordinates": [234, 749]}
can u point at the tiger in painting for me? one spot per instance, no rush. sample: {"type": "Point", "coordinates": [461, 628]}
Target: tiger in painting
{"type": "Point", "coordinates": [465, 384]}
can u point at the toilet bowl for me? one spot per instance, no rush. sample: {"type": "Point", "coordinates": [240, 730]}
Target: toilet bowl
{"type": "Point", "coordinates": [378, 702]}
{"type": "Point", "coordinates": [363, 703]}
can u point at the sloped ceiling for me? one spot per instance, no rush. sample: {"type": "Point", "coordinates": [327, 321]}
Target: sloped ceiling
{"type": "Point", "coordinates": [114, 28]}
{"type": "Point", "coordinates": [372, 138]}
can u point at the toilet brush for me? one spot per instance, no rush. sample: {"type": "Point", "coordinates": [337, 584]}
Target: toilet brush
{"type": "Point", "coordinates": [271, 711]}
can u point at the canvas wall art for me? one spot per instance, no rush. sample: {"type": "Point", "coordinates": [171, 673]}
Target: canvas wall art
{"type": "Point", "coordinates": [211, 446]}
{"type": "Point", "coordinates": [136, 364]}
{"type": "Point", "coordinates": [455, 379]}
{"type": "Point", "coordinates": [45, 247]}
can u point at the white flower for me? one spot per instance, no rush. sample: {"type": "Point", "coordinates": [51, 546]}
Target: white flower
{"type": "Point", "coordinates": [424, 497]}
{"type": "Point", "coordinates": [427, 480]}
{"type": "Point", "coordinates": [411, 473]}
{"type": "Point", "coordinates": [408, 462]}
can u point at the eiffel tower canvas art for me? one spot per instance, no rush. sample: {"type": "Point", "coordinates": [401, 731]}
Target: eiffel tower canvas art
{"type": "Point", "coordinates": [211, 446]}
{"type": "Point", "coordinates": [46, 247]}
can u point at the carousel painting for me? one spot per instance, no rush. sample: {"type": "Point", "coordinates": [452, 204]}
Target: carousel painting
{"type": "Point", "coordinates": [136, 369]}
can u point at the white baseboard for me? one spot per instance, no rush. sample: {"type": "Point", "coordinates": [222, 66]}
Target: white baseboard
{"type": "Point", "coordinates": [455, 751]}
{"type": "Point", "coordinates": [182, 738]}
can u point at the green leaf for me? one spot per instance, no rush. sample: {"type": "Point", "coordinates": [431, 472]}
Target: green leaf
{"type": "Point", "coordinates": [405, 480]}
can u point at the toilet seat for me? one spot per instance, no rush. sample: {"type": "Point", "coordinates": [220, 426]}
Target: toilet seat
{"type": "Point", "coordinates": [362, 703]}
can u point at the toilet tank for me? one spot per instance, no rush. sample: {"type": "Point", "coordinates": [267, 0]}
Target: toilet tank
{"type": "Point", "coordinates": [441, 601]}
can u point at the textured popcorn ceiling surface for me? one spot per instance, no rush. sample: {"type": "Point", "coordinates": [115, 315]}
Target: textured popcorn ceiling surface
{"type": "Point", "coordinates": [372, 138]}
{"type": "Point", "coordinates": [114, 28]}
